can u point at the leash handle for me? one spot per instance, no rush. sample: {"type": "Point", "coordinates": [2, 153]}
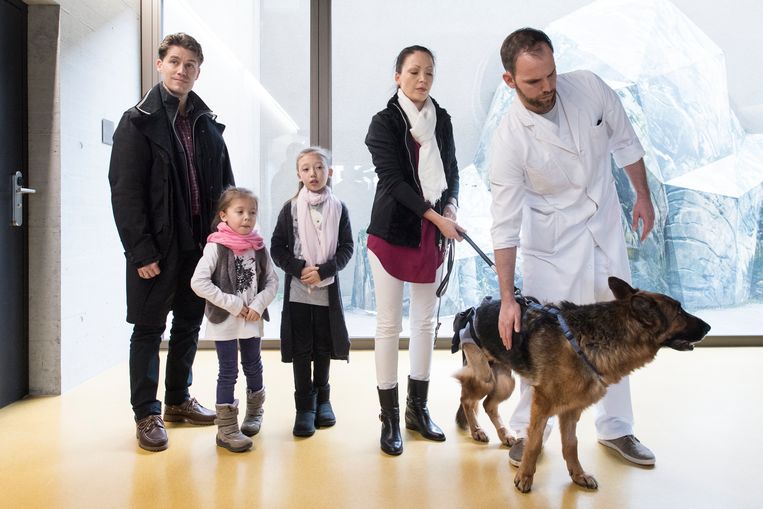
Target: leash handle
{"type": "Point", "coordinates": [449, 268]}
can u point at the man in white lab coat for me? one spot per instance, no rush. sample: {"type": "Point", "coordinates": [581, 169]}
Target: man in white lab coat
{"type": "Point", "coordinates": [551, 180]}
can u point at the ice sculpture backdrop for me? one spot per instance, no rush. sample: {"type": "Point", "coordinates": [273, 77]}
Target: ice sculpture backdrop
{"type": "Point", "coordinates": [705, 172]}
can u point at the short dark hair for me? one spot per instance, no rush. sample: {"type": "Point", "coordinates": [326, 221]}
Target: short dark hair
{"type": "Point", "coordinates": [524, 40]}
{"type": "Point", "coordinates": [409, 51]}
{"type": "Point", "coordinates": [184, 41]}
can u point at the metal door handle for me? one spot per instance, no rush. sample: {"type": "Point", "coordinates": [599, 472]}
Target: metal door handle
{"type": "Point", "coordinates": [17, 214]}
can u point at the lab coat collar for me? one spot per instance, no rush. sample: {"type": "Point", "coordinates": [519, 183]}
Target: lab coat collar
{"type": "Point", "coordinates": [545, 135]}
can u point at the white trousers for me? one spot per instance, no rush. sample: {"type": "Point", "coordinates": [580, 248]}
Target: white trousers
{"type": "Point", "coordinates": [389, 324]}
{"type": "Point", "coordinates": [614, 413]}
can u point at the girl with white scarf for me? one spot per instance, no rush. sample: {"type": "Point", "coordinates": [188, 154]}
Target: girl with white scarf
{"type": "Point", "coordinates": [414, 211]}
{"type": "Point", "coordinates": [312, 241]}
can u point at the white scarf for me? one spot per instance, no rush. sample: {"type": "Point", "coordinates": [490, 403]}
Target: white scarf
{"type": "Point", "coordinates": [318, 243]}
{"type": "Point", "coordinates": [431, 172]}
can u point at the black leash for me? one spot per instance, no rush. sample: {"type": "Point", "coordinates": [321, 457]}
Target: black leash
{"type": "Point", "coordinates": [444, 282]}
{"type": "Point", "coordinates": [446, 277]}
{"type": "Point", "coordinates": [481, 253]}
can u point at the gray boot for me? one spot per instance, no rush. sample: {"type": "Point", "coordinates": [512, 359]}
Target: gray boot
{"type": "Point", "coordinates": [228, 434]}
{"type": "Point", "coordinates": [253, 420]}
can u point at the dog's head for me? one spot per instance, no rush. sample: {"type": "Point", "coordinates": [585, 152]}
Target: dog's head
{"type": "Point", "coordinates": [676, 328]}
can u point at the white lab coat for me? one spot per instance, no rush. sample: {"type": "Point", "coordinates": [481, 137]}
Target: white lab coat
{"type": "Point", "coordinates": [562, 199]}
{"type": "Point", "coordinates": [563, 203]}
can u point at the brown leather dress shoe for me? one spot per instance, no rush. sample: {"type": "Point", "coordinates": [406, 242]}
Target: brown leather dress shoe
{"type": "Point", "coordinates": [189, 411]}
{"type": "Point", "coordinates": [151, 434]}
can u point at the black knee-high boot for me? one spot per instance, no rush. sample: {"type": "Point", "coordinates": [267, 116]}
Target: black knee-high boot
{"type": "Point", "coordinates": [416, 412]}
{"type": "Point", "coordinates": [391, 441]}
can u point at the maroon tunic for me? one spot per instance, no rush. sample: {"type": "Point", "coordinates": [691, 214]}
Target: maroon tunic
{"type": "Point", "coordinates": [412, 264]}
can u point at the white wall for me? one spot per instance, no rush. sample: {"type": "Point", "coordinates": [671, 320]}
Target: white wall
{"type": "Point", "coordinates": [98, 76]}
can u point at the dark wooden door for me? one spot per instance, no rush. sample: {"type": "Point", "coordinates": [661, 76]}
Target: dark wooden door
{"type": "Point", "coordinates": [14, 342]}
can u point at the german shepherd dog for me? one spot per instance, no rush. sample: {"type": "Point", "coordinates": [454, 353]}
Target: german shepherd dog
{"type": "Point", "coordinates": [614, 339]}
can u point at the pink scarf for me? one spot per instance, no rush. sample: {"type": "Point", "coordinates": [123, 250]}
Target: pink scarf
{"type": "Point", "coordinates": [318, 243]}
{"type": "Point", "coordinates": [236, 242]}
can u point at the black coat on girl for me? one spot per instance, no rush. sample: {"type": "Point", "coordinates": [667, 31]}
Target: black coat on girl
{"type": "Point", "coordinates": [282, 253]}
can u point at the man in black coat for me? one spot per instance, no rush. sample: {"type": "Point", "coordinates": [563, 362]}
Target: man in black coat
{"type": "Point", "coordinates": [169, 165]}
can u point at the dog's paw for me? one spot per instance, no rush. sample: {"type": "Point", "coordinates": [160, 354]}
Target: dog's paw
{"type": "Point", "coordinates": [585, 480]}
{"type": "Point", "coordinates": [479, 435]}
{"type": "Point", "coordinates": [506, 438]}
{"type": "Point", "coordinates": [523, 482]}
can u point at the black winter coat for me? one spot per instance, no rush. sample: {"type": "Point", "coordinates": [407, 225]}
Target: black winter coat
{"type": "Point", "coordinates": [282, 253]}
{"type": "Point", "coordinates": [148, 176]}
{"type": "Point", "coordinates": [398, 203]}
{"type": "Point", "coordinates": [150, 199]}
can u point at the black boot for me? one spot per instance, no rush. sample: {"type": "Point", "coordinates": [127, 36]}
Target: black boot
{"type": "Point", "coordinates": [416, 412]}
{"type": "Point", "coordinates": [304, 422]}
{"type": "Point", "coordinates": [324, 416]}
{"type": "Point", "coordinates": [391, 441]}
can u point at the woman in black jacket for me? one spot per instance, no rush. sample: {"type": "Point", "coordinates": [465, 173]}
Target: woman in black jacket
{"type": "Point", "coordinates": [414, 212]}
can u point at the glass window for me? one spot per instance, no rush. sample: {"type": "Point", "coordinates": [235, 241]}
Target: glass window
{"type": "Point", "coordinates": [366, 38]}
{"type": "Point", "coordinates": [704, 170]}
{"type": "Point", "coordinates": [256, 78]}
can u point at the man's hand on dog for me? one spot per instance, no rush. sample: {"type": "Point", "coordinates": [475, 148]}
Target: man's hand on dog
{"type": "Point", "coordinates": [509, 320]}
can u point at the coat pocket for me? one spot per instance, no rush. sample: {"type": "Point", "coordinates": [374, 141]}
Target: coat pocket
{"type": "Point", "coordinates": [546, 177]}
{"type": "Point", "coordinates": [541, 232]}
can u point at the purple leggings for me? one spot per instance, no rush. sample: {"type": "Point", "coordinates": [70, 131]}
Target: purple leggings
{"type": "Point", "coordinates": [251, 363]}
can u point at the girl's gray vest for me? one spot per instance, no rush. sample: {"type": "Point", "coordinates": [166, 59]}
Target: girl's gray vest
{"type": "Point", "coordinates": [224, 277]}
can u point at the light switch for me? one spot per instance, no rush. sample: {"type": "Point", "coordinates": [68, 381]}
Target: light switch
{"type": "Point", "coordinates": [107, 131]}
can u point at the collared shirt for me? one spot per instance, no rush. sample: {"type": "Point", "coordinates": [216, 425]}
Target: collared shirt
{"type": "Point", "coordinates": [185, 132]}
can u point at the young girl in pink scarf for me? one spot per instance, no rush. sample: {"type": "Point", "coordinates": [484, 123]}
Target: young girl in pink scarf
{"type": "Point", "coordinates": [312, 241]}
{"type": "Point", "coordinates": [238, 281]}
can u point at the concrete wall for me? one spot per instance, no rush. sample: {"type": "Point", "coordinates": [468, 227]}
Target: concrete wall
{"type": "Point", "coordinates": [44, 206]}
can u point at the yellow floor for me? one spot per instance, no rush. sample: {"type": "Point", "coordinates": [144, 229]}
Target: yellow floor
{"type": "Point", "coordinates": [699, 411]}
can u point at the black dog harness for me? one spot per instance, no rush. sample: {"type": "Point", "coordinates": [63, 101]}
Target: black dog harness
{"type": "Point", "coordinates": [464, 330]}
{"type": "Point", "coordinates": [468, 316]}
{"type": "Point", "coordinates": [557, 313]}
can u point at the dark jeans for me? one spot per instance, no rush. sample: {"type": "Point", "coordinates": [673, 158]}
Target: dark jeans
{"type": "Point", "coordinates": [227, 358]}
{"type": "Point", "coordinates": [311, 336]}
{"type": "Point", "coordinates": [187, 310]}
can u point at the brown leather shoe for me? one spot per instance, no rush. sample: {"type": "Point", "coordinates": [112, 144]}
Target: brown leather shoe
{"type": "Point", "coordinates": [151, 434]}
{"type": "Point", "coordinates": [189, 411]}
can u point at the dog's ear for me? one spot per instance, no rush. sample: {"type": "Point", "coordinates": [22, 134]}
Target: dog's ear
{"type": "Point", "coordinates": [620, 288]}
{"type": "Point", "coordinates": [646, 310]}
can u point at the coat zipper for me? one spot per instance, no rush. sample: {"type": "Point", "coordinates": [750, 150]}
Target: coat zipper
{"type": "Point", "coordinates": [405, 144]}
{"type": "Point", "coordinates": [185, 161]}
{"type": "Point", "coordinates": [410, 161]}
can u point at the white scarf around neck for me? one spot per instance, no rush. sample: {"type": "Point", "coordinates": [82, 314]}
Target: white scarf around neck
{"type": "Point", "coordinates": [318, 244]}
{"type": "Point", "coordinates": [431, 171]}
